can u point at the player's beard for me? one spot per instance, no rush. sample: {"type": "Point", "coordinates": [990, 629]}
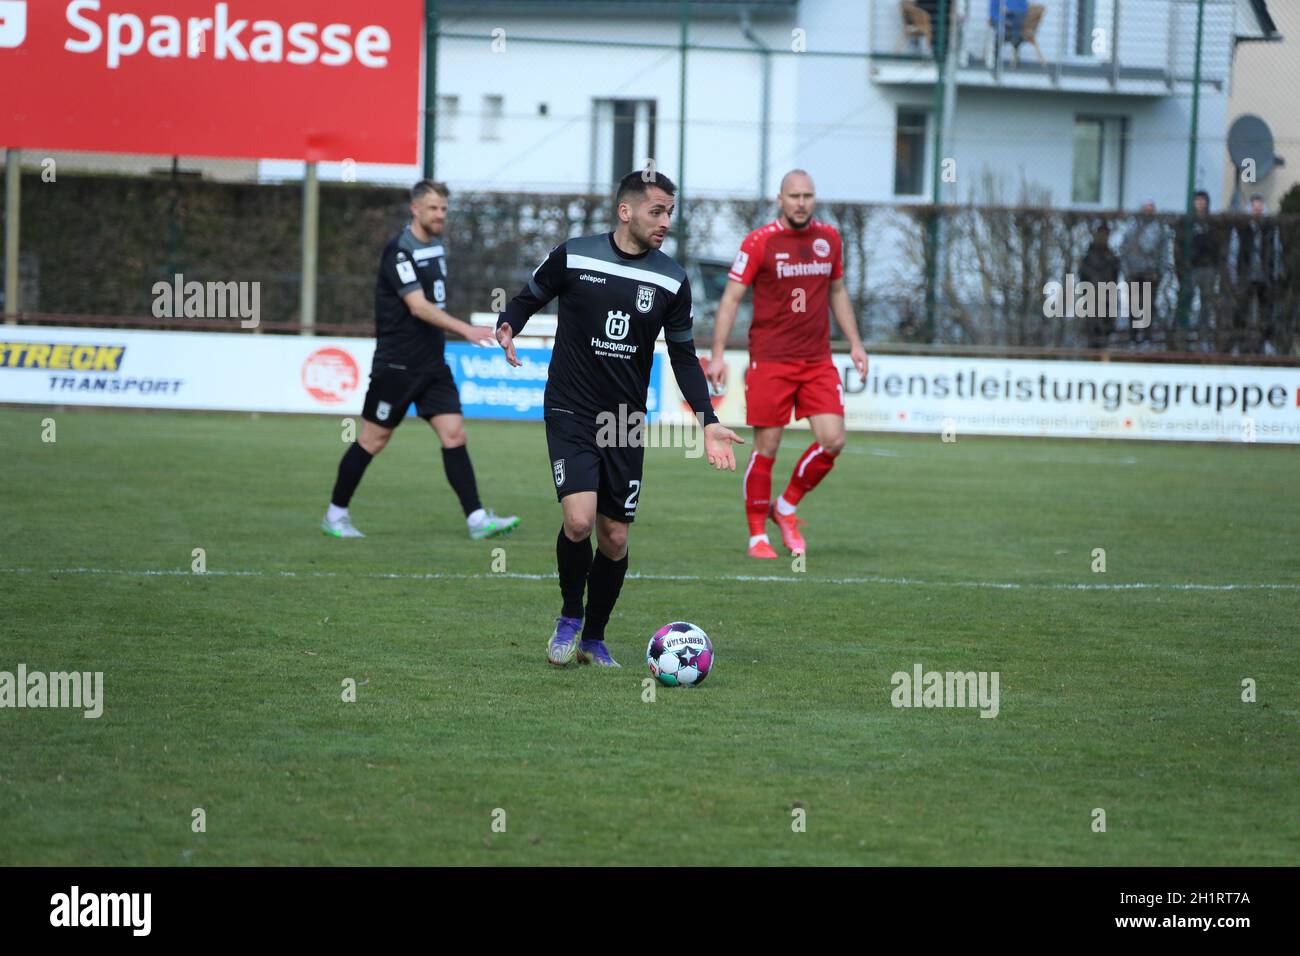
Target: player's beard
{"type": "Point", "coordinates": [645, 239]}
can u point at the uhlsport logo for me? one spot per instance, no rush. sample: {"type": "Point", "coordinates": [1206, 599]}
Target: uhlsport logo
{"type": "Point", "coordinates": [13, 23]}
{"type": "Point", "coordinates": [330, 376]}
{"type": "Point", "coordinates": [645, 298]}
{"type": "Point", "coordinates": [617, 324]}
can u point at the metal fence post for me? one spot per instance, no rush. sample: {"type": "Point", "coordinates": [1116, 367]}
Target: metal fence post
{"type": "Point", "coordinates": [13, 218]}
{"type": "Point", "coordinates": [310, 247]}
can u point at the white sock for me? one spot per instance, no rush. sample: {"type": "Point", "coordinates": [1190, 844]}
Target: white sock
{"type": "Point", "coordinates": [335, 512]}
{"type": "Point", "coordinates": [756, 538]}
{"type": "Point", "coordinates": [784, 507]}
{"type": "Point", "coordinates": [476, 518]}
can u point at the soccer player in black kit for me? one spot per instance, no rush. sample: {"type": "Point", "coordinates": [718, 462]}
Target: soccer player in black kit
{"type": "Point", "coordinates": [616, 291]}
{"type": "Point", "coordinates": [409, 366]}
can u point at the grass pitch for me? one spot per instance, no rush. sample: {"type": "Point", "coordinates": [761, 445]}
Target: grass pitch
{"type": "Point", "coordinates": [223, 691]}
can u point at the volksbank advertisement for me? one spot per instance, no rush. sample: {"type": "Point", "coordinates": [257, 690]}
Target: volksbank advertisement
{"type": "Point", "coordinates": [281, 373]}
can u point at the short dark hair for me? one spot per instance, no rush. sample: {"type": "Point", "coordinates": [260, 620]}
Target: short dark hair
{"type": "Point", "coordinates": [1202, 194]}
{"type": "Point", "coordinates": [639, 181]}
{"type": "Point", "coordinates": [426, 186]}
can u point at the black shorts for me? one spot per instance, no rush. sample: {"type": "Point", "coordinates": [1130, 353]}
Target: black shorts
{"type": "Point", "coordinates": [578, 463]}
{"type": "Point", "coordinates": [393, 389]}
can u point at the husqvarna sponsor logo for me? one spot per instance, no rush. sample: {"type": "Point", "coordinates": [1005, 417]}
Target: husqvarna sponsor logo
{"type": "Point", "coordinates": [616, 325]}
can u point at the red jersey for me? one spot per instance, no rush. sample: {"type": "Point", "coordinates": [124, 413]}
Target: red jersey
{"type": "Point", "coordinates": [778, 263]}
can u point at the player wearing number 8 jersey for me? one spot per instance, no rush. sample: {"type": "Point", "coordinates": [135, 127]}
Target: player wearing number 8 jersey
{"type": "Point", "coordinates": [795, 266]}
{"type": "Point", "coordinates": [411, 323]}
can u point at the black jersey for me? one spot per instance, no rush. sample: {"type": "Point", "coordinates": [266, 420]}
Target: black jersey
{"type": "Point", "coordinates": [612, 307]}
{"type": "Point", "coordinates": [406, 265]}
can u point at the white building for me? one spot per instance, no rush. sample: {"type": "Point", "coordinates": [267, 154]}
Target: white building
{"type": "Point", "coordinates": [562, 95]}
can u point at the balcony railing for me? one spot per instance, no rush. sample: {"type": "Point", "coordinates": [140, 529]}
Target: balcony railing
{"type": "Point", "coordinates": [1126, 46]}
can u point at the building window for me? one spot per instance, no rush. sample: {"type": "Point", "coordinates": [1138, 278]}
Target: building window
{"type": "Point", "coordinates": [494, 108]}
{"type": "Point", "coordinates": [448, 114]}
{"type": "Point", "coordinates": [1089, 155]}
{"type": "Point", "coordinates": [623, 138]}
{"type": "Point", "coordinates": [1087, 21]}
{"type": "Point", "coordinates": [1100, 159]}
{"type": "Point", "coordinates": [909, 152]}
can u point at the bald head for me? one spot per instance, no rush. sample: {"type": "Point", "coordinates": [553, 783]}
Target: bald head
{"type": "Point", "coordinates": [796, 199]}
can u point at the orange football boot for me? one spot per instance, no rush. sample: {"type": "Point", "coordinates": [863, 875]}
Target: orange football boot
{"type": "Point", "coordinates": [789, 525]}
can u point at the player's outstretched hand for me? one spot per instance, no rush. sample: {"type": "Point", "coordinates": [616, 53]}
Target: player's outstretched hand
{"type": "Point", "coordinates": [507, 339]}
{"type": "Point", "coordinates": [718, 439]}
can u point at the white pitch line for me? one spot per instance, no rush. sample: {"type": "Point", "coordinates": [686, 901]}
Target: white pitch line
{"type": "Point", "coordinates": [739, 578]}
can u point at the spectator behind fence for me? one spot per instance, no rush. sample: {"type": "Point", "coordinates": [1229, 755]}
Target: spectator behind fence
{"type": "Point", "coordinates": [1201, 274]}
{"type": "Point", "coordinates": [1254, 271]}
{"type": "Point", "coordinates": [1098, 266]}
{"type": "Point", "coordinates": [1142, 256]}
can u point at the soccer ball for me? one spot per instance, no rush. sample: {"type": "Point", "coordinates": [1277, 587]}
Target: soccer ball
{"type": "Point", "coordinates": [680, 655]}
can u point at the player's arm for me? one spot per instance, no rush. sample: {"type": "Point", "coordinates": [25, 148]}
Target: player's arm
{"type": "Point", "coordinates": [842, 309]}
{"type": "Point", "coordinates": [546, 283]}
{"type": "Point", "coordinates": [680, 334]}
{"type": "Point", "coordinates": [744, 270]}
{"type": "Point", "coordinates": [426, 311]}
{"type": "Point", "coordinates": [732, 296]}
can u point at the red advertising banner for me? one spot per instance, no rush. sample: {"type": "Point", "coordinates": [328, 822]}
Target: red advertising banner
{"type": "Point", "coordinates": [322, 80]}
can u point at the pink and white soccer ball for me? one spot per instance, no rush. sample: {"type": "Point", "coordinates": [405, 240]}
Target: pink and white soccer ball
{"type": "Point", "coordinates": [680, 655]}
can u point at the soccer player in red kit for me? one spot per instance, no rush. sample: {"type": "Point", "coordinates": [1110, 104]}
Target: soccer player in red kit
{"type": "Point", "coordinates": [795, 265]}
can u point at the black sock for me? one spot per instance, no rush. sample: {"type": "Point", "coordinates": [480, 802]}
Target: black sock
{"type": "Point", "coordinates": [603, 584]}
{"type": "Point", "coordinates": [574, 560]}
{"type": "Point", "coordinates": [351, 468]}
{"type": "Point", "coordinates": [460, 472]}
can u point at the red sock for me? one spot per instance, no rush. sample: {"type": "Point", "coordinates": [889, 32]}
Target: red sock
{"type": "Point", "coordinates": [757, 490]}
{"type": "Point", "coordinates": [811, 468]}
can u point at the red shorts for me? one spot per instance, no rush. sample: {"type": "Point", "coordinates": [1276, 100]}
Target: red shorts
{"type": "Point", "coordinates": [773, 388]}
